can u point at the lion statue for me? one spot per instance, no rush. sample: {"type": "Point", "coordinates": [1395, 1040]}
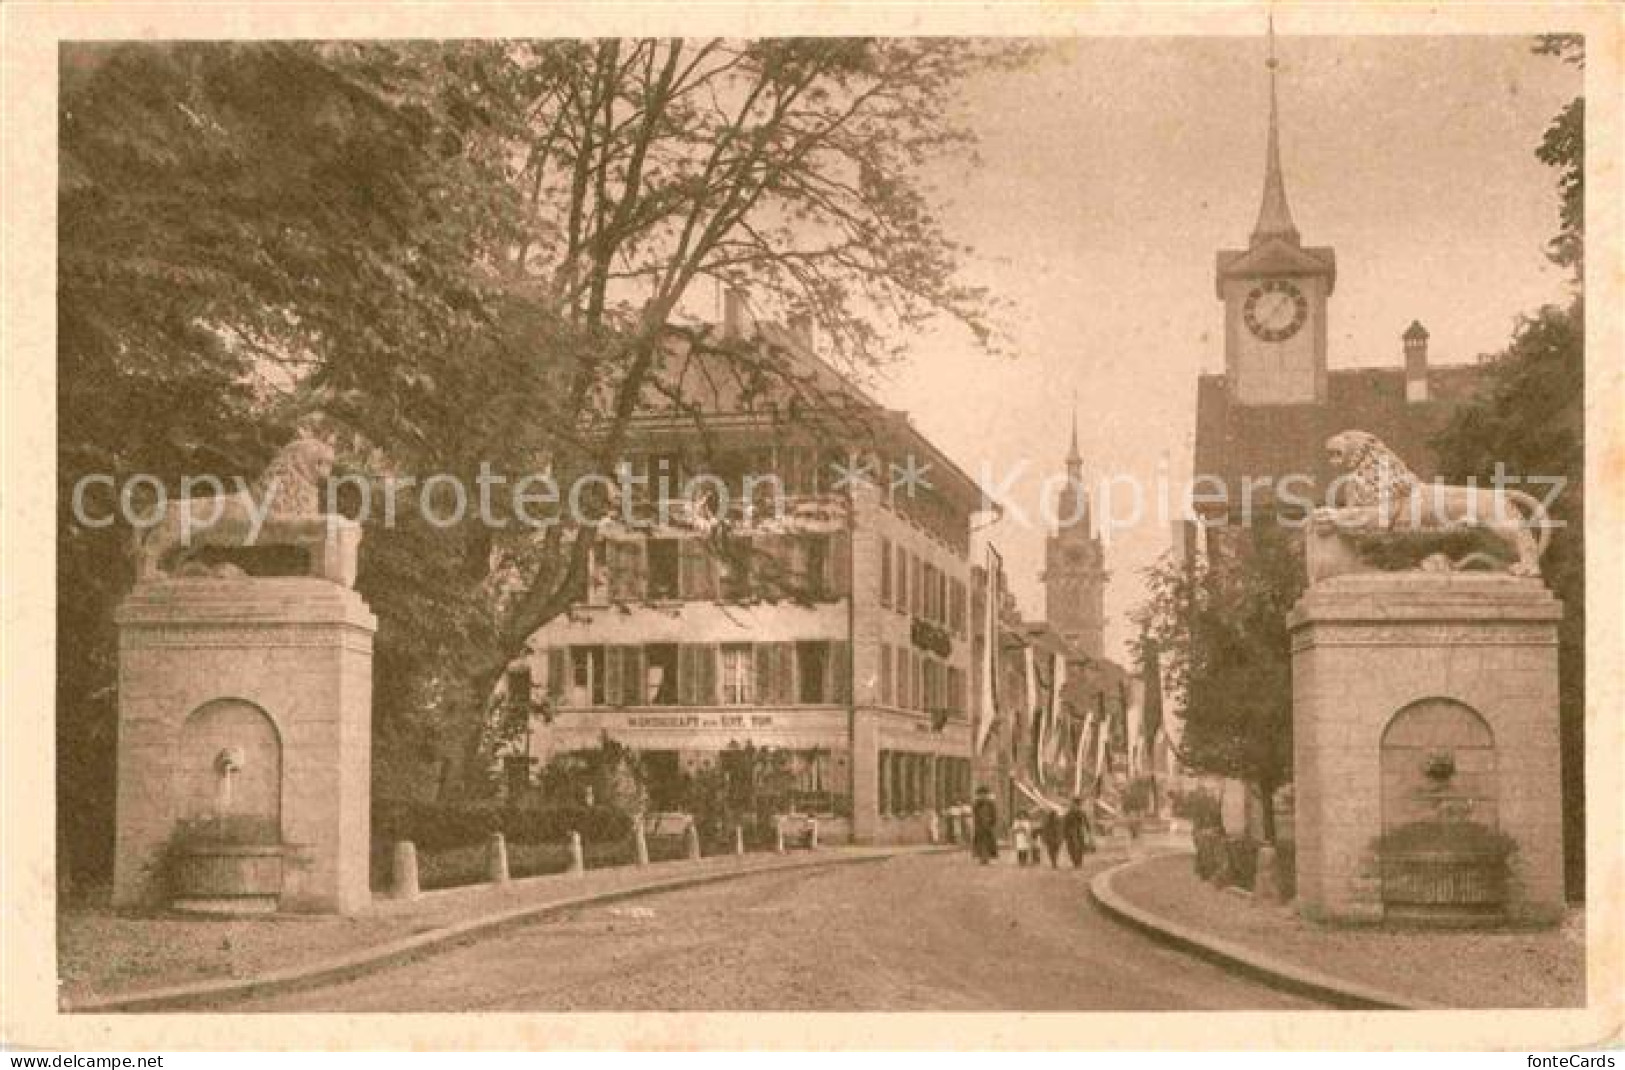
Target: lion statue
{"type": "Point", "coordinates": [282, 508]}
{"type": "Point", "coordinates": [1382, 494]}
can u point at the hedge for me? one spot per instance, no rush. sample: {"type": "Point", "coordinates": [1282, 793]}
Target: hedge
{"type": "Point", "coordinates": [435, 827]}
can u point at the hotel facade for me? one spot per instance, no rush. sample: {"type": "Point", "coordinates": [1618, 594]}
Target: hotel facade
{"type": "Point", "coordinates": [814, 602]}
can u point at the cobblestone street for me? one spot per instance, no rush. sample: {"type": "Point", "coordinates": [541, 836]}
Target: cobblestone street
{"type": "Point", "coordinates": [910, 934]}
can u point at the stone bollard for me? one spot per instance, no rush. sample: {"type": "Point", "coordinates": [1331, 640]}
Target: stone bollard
{"type": "Point", "coordinates": [778, 836]}
{"type": "Point", "coordinates": [496, 859]}
{"type": "Point", "coordinates": [640, 843]}
{"type": "Point", "coordinates": [691, 841]}
{"type": "Point", "coordinates": [812, 833]}
{"type": "Point", "coordinates": [578, 861]}
{"type": "Point", "coordinates": [739, 840]}
{"type": "Point", "coordinates": [404, 872]}
{"type": "Point", "coordinates": [1267, 876]}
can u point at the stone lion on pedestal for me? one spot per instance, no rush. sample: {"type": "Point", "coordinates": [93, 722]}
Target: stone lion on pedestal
{"type": "Point", "coordinates": [1383, 495]}
{"type": "Point", "coordinates": [285, 503]}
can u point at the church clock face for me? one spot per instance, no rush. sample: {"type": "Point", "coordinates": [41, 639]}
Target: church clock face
{"type": "Point", "coordinates": [1275, 310]}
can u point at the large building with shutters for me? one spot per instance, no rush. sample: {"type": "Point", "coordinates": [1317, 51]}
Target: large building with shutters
{"type": "Point", "coordinates": [822, 611]}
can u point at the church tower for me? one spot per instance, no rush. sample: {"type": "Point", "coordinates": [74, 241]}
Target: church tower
{"type": "Point", "coordinates": [1274, 293]}
{"type": "Point", "coordinates": [1075, 565]}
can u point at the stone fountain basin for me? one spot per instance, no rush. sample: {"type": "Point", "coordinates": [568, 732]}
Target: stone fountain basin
{"type": "Point", "coordinates": [227, 878]}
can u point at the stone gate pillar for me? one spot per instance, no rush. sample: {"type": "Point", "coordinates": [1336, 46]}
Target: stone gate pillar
{"type": "Point", "coordinates": [253, 695]}
{"type": "Point", "coordinates": [1477, 653]}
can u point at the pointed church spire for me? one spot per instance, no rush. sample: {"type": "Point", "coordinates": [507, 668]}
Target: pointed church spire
{"type": "Point", "coordinates": [1074, 459]}
{"type": "Point", "coordinates": [1274, 217]}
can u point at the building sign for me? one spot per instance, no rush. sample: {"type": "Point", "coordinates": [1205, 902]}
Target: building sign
{"type": "Point", "coordinates": [669, 721]}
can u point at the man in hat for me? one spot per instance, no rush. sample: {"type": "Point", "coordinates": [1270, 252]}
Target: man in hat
{"type": "Point", "coordinates": [1075, 831]}
{"type": "Point", "coordinates": [985, 825]}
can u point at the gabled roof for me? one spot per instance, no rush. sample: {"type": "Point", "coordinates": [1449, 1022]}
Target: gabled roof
{"type": "Point", "coordinates": [1237, 443]}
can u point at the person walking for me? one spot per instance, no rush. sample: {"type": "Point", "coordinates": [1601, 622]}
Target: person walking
{"type": "Point", "coordinates": [1050, 833]}
{"type": "Point", "coordinates": [1021, 831]}
{"type": "Point", "coordinates": [1075, 831]}
{"type": "Point", "coordinates": [984, 826]}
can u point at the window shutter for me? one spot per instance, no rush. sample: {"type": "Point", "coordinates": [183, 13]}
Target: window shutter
{"type": "Point", "coordinates": [612, 676]}
{"type": "Point", "coordinates": [767, 657]}
{"type": "Point", "coordinates": [708, 675]}
{"type": "Point", "coordinates": [901, 588]}
{"type": "Point", "coordinates": [885, 676]}
{"type": "Point", "coordinates": [839, 684]}
{"type": "Point", "coordinates": [785, 681]}
{"type": "Point", "coordinates": [634, 679]}
{"type": "Point", "coordinates": [558, 671]}
{"type": "Point", "coordinates": [838, 566]}
{"type": "Point", "coordinates": [885, 573]}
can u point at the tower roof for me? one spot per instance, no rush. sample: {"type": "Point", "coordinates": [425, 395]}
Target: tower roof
{"type": "Point", "coordinates": [1074, 459]}
{"type": "Point", "coordinates": [1274, 217]}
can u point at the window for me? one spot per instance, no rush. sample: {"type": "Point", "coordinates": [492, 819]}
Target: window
{"type": "Point", "coordinates": [660, 675]}
{"type": "Point", "coordinates": [625, 561]}
{"type": "Point", "coordinates": [885, 573]}
{"type": "Point", "coordinates": [902, 580]}
{"type": "Point", "coordinates": [587, 675]}
{"type": "Point", "coordinates": [916, 586]}
{"type": "Point", "coordinates": [697, 675]}
{"type": "Point", "coordinates": [623, 675]}
{"type": "Point", "coordinates": [738, 675]}
{"type": "Point", "coordinates": [698, 574]}
{"type": "Point", "coordinates": [812, 664]}
{"type": "Point", "coordinates": [775, 674]}
{"type": "Point", "coordinates": [663, 569]}
{"type": "Point", "coordinates": [885, 676]}
{"type": "Point", "coordinates": [956, 608]}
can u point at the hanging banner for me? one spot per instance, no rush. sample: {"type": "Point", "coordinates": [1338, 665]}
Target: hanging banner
{"type": "Point", "coordinates": [989, 708]}
{"type": "Point", "coordinates": [1078, 761]}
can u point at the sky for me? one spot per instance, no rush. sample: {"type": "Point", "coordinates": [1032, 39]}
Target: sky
{"type": "Point", "coordinates": [1113, 169]}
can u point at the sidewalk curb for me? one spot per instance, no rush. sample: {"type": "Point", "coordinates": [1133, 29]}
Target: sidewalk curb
{"type": "Point", "coordinates": [359, 963]}
{"type": "Point", "coordinates": [1272, 971]}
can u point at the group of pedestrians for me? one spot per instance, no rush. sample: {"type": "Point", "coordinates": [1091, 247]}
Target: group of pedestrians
{"type": "Point", "coordinates": [1053, 831]}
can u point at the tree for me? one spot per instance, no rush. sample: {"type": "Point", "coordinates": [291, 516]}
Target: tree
{"type": "Point", "coordinates": [1563, 147]}
{"type": "Point", "coordinates": [1220, 630]}
{"type": "Point", "coordinates": [232, 217]}
{"type": "Point", "coordinates": [1529, 420]}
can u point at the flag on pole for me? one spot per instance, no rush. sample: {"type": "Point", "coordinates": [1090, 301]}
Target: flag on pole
{"type": "Point", "coordinates": [990, 648]}
{"type": "Point", "coordinates": [1056, 708]}
{"type": "Point", "coordinates": [1035, 710]}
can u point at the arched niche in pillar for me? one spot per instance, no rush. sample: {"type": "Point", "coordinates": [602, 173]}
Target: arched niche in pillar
{"type": "Point", "coordinates": [228, 763]}
{"type": "Point", "coordinates": [1438, 764]}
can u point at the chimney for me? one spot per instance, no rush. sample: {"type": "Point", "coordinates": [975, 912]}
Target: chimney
{"type": "Point", "coordinates": [733, 313]}
{"type": "Point", "coordinates": [1416, 362]}
{"type": "Point", "coordinates": [800, 326]}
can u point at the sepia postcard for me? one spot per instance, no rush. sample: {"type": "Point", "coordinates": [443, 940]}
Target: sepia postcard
{"type": "Point", "coordinates": [792, 526]}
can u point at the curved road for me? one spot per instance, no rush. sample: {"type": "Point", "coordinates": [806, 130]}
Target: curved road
{"type": "Point", "coordinates": [914, 933]}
